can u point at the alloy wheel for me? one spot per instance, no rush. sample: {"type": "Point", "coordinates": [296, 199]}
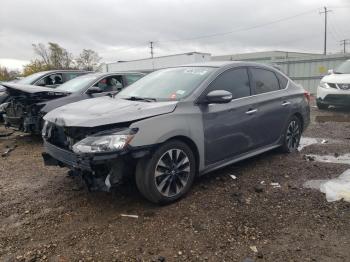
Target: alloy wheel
{"type": "Point", "coordinates": [293, 135]}
{"type": "Point", "coordinates": [172, 172]}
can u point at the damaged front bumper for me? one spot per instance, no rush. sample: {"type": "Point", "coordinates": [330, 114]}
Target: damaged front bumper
{"type": "Point", "coordinates": [56, 156]}
{"type": "Point", "coordinates": [100, 171]}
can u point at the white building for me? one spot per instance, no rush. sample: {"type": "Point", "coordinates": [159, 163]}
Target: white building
{"type": "Point", "coordinates": [151, 64]}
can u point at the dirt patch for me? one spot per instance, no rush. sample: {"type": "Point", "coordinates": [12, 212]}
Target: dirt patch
{"type": "Point", "coordinates": [47, 216]}
{"type": "Point", "coordinates": [334, 118]}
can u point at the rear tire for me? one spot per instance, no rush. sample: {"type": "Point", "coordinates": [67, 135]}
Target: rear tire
{"type": "Point", "coordinates": [292, 135]}
{"type": "Point", "coordinates": [168, 174]}
{"type": "Point", "coordinates": [322, 106]}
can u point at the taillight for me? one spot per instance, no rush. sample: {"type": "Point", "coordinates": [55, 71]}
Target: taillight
{"type": "Point", "coordinates": [307, 96]}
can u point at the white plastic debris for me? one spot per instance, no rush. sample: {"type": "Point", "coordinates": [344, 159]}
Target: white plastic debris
{"type": "Point", "coordinates": [233, 176]}
{"type": "Point", "coordinates": [132, 216]}
{"type": "Point", "coordinates": [275, 185]}
{"type": "Point", "coordinates": [337, 188]}
{"type": "Point", "coordinates": [254, 249]}
{"type": "Point", "coordinates": [306, 141]}
{"type": "Point", "coordinates": [339, 159]}
{"type": "Point", "coordinates": [262, 182]}
{"type": "Point", "coordinates": [324, 141]}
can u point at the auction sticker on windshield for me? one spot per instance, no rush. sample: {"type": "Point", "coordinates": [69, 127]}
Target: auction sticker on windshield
{"type": "Point", "coordinates": [196, 71]}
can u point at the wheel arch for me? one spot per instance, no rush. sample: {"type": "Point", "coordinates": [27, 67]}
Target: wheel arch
{"type": "Point", "coordinates": [301, 119]}
{"type": "Point", "coordinates": [188, 141]}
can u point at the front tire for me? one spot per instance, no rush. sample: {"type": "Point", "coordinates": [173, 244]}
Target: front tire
{"type": "Point", "coordinates": [292, 135]}
{"type": "Point", "coordinates": [168, 174]}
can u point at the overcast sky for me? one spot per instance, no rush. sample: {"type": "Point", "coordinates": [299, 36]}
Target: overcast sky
{"type": "Point", "coordinates": [122, 29]}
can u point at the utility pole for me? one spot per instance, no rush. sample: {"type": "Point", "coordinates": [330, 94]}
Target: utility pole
{"type": "Point", "coordinates": [151, 47]}
{"type": "Point", "coordinates": [325, 12]}
{"type": "Point", "coordinates": [344, 43]}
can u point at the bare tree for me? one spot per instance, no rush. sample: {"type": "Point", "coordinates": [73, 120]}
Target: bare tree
{"type": "Point", "coordinates": [8, 74]}
{"type": "Point", "coordinates": [41, 50]}
{"type": "Point", "coordinates": [53, 56]}
{"type": "Point", "coordinates": [88, 59]}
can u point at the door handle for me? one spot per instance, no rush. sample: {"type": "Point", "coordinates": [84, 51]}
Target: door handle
{"type": "Point", "coordinates": [251, 111]}
{"type": "Point", "coordinates": [285, 103]}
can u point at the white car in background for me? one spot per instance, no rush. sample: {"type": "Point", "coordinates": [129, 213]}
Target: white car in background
{"type": "Point", "coordinates": [334, 89]}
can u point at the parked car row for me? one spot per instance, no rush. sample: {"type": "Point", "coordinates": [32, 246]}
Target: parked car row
{"type": "Point", "coordinates": [165, 128]}
{"type": "Point", "coordinates": [29, 103]}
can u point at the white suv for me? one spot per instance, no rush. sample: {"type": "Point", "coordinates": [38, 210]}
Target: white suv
{"type": "Point", "coordinates": [334, 89]}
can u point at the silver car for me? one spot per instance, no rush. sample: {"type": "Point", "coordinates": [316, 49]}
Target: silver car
{"type": "Point", "coordinates": [175, 124]}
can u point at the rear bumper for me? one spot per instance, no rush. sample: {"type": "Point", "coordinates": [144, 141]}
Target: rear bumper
{"type": "Point", "coordinates": [56, 156]}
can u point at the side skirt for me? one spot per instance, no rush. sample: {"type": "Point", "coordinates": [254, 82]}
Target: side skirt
{"type": "Point", "coordinates": [236, 159]}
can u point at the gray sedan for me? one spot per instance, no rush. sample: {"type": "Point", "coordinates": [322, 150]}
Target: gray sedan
{"type": "Point", "coordinates": [175, 124]}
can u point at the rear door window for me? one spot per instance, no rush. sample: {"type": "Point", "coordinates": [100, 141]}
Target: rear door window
{"type": "Point", "coordinates": [264, 81]}
{"type": "Point", "coordinates": [235, 81]}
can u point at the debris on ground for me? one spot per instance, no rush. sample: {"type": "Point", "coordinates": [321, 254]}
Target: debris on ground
{"type": "Point", "coordinates": [8, 151]}
{"type": "Point", "coordinates": [275, 185]}
{"type": "Point", "coordinates": [254, 249]}
{"type": "Point", "coordinates": [233, 176]}
{"type": "Point", "coordinates": [335, 189]}
{"type": "Point", "coordinates": [335, 158]}
{"type": "Point", "coordinates": [5, 134]}
{"type": "Point", "coordinates": [324, 141]}
{"type": "Point", "coordinates": [132, 216]}
{"type": "Point", "coordinates": [259, 188]}
{"type": "Point", "coordinates": [309, 158]}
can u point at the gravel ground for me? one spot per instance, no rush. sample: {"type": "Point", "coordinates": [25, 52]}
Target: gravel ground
{"type": "Point", "coordinates": [47, 216]}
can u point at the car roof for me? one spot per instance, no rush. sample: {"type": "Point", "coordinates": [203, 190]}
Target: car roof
{"type": "Point", "coordinates": [64, 70]}
{"type": "Point", "coordinates": [99, 74]}
{"type": "Point", "coordinates": [219, 64]}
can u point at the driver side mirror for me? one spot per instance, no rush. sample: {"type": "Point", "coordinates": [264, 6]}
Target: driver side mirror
{"type": "Point", "coordinates": [94, 90]}
{"type": "Point", "coordinates": [218, 97]}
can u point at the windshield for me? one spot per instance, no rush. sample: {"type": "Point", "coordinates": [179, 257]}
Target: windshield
{"type": "Point", "coordinates": [344, 68]}
{"type": "Point", "coordinates": [77, 84]}
{"type": "Point", "coordinates": [167, 84]}
{"type": "Point", "coordinates": [29, 80]}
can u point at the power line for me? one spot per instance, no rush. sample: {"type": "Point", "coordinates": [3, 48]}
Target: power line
{"type": "Point", "coordinates": [240, 29]}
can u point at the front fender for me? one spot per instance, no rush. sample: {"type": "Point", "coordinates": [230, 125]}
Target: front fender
{"type": "Point", "coordinates": [158, 129]}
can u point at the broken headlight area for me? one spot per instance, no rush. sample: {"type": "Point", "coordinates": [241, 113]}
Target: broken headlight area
{"type": "Point", "coordinates": [105, 143]}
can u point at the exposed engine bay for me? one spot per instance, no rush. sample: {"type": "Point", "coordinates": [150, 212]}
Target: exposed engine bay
{"type": "Point", "coordinates": [22, 110]}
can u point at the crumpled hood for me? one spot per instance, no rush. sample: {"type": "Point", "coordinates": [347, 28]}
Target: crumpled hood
{"type": "Point", "coordinates": [30, 89]}
{"type": "Point", "coordinates": [26, 88]}
{"type": "Point", "coordinates": [106, 110]}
